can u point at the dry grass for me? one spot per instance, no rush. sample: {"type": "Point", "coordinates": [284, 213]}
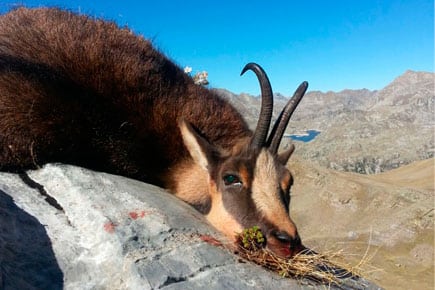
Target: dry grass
{"type": "Point", "coordinates": [327, 268]}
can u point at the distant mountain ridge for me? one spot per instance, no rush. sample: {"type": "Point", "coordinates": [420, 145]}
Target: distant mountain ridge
{"type": "Point", "coordinates": [361, 130]}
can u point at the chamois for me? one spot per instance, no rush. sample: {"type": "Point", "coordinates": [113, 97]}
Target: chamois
{"type": "Point", "coordinates": [83, 91]}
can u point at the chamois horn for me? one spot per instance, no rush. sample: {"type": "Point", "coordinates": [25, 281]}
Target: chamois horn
{"type": "Point", "coordinates": [260, 134]}
{"type": "Point", "coordinates": [281, 123]}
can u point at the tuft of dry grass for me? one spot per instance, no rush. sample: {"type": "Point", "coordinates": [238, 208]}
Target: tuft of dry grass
{"type": "Point", "coordinates": [326, 268]}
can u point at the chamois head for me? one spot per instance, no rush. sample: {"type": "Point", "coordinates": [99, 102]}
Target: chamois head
{"type": "Point", "coordinates": [250, 184]}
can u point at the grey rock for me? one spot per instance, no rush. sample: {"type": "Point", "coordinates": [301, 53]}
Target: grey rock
{"type": "Point", "coordinates": [64, 227]}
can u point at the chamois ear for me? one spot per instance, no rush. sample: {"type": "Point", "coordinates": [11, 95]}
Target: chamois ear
{"type": "Point", "coordinates": [284, 156]}
{"type": "Point", "coordinates": [201, 151]}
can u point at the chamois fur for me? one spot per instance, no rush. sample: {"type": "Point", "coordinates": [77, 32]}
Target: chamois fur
{"type": "Point", "coordinates": [83, 91]}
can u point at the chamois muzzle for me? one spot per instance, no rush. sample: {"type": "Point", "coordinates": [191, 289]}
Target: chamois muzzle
{"type": "Point", "coordinates": [282, 244]}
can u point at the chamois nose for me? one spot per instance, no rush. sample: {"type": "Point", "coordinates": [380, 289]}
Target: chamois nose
{"type": "Point", "coordinates": [283, 244]}
{"type": "Point", "coordinates": [283, 237]}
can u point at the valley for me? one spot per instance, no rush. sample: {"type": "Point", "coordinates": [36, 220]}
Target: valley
{"type": "Point", "coordinates": [387, 218]}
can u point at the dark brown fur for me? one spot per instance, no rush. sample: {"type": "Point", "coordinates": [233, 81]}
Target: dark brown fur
{"type": "Point", "coordinates": [83, 91]}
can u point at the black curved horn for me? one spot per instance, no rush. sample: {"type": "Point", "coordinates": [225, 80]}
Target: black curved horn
{"type": "Point", "coordinates": [260, 134]}
{"type": "Point", "coordinates": [281, 123]}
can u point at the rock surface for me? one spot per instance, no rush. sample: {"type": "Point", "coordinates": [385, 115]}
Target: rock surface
{"type": "Point", "coordinates": [68, 227]}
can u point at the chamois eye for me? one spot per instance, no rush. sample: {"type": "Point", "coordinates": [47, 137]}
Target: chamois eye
{"type": "Point", "coordinates": [231, 179]}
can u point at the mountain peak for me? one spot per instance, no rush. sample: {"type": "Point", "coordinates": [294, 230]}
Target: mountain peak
{"type": "Point", "coordinates": [410, 77]}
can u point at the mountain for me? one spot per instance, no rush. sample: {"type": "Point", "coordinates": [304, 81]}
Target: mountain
{"type": "Point", "coordinates": [361, 130]}
{"type": "Point", "coordinates": [387, 218]}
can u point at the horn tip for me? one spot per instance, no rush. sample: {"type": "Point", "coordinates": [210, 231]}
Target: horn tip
{"type": "Point", "coordinates": [302, 87]}
{"type": "Point", "coordinates": [249, 66]}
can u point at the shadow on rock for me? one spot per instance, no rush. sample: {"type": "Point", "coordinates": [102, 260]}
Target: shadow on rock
{"type": "Point", "coordinates": [27, 260]}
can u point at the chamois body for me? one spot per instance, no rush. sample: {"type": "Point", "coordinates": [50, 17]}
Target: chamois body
{"type": "Point", "coordinates": [83, 91]}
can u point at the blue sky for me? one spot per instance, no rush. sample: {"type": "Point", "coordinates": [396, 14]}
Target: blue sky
{"type": "Point", "coordinates": [332, 44]}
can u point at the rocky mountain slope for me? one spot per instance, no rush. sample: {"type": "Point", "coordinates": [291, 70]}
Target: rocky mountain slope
{"type": "Point", "coordinates": [361, 131]}
{"type": "Point", "coordinates": [387, 218]}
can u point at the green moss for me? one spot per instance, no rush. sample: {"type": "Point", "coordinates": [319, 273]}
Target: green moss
{"type": "Point", "coordinates": [252, 238]}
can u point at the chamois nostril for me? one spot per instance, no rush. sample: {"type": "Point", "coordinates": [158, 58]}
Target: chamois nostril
{"type": "Point", "coordinates": [283, 237]}
{"type": "Point", "coordinates": [296, 242]}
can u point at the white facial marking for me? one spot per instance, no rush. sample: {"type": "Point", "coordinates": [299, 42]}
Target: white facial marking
{"type": "Point", "coordinates": [265, 186]}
